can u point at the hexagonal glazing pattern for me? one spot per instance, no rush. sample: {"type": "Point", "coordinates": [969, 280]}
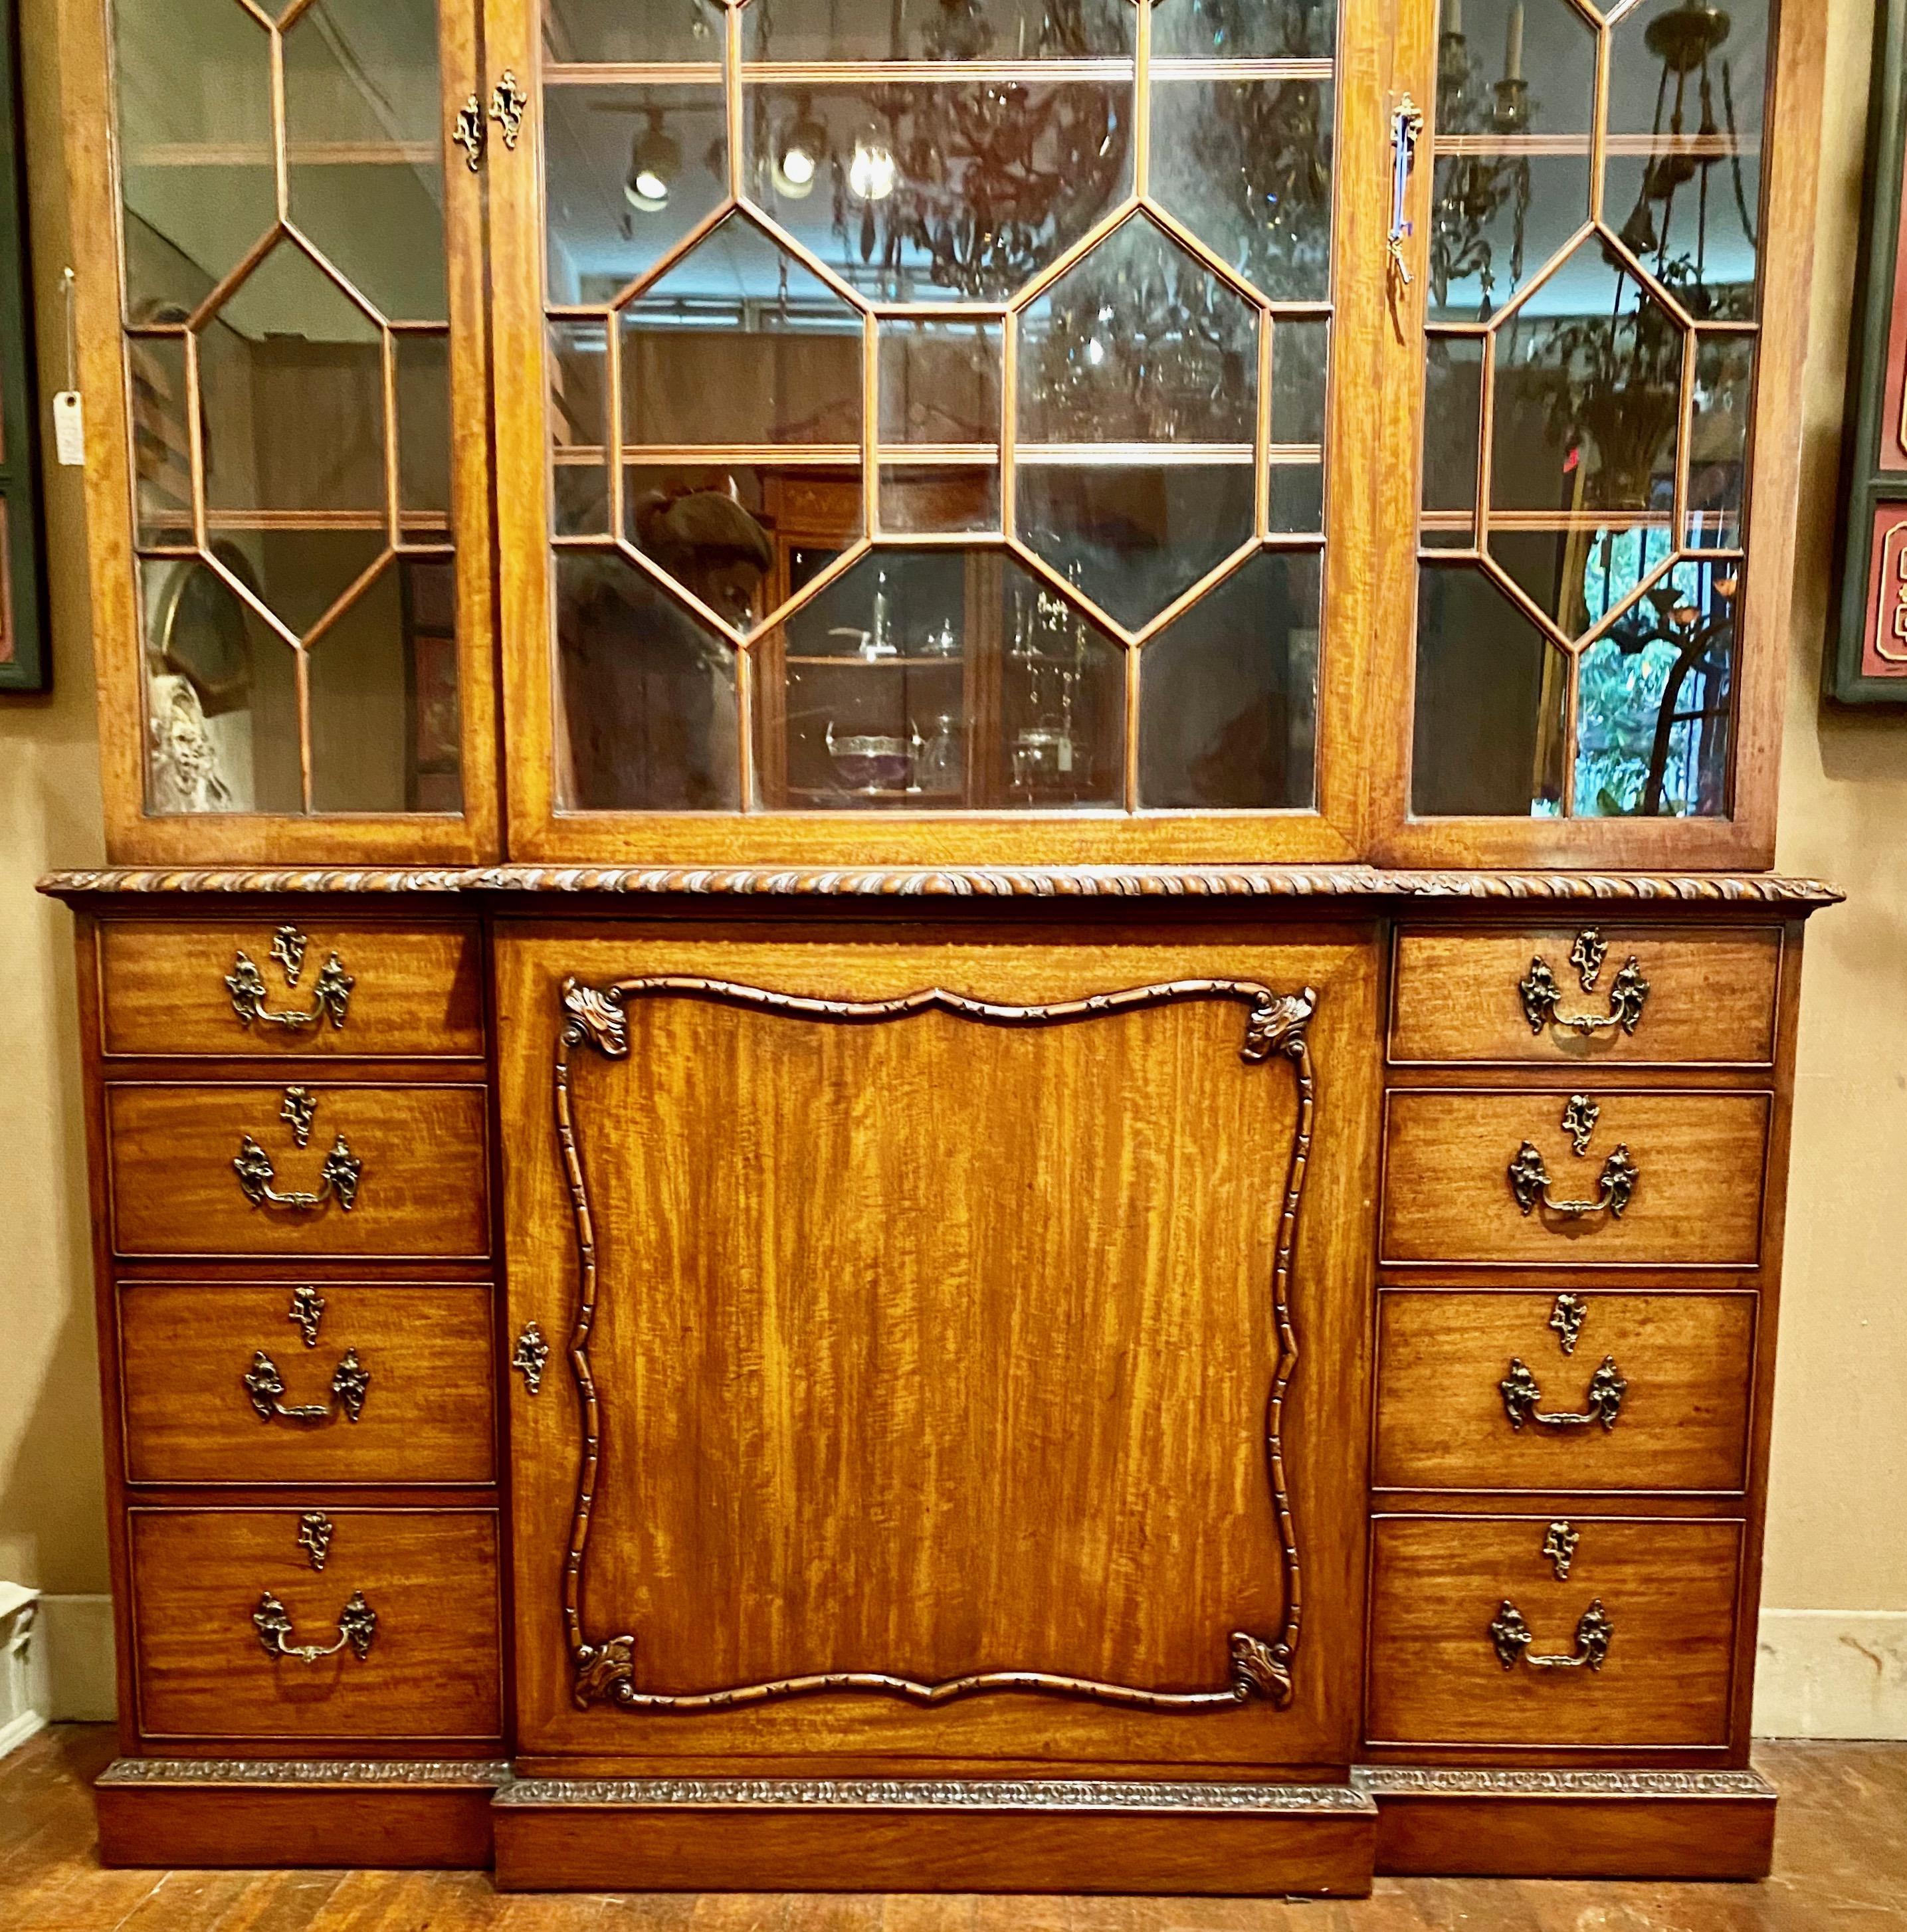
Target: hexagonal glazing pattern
{"type": "Point", "coordinates": [1590, 369]}
{"type": "Point", "coordinates": [287, 348]}
{"type": "Point", "coordinates": [974, 334]}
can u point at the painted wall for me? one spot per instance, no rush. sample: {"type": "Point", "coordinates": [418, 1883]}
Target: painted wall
{"type": "Point", "coordinates": [1835, 1639]}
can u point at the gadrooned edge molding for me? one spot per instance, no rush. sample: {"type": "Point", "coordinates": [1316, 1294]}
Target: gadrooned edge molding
{"type": "Point", "coordinates": [1388, 1780]}
{"type": "Point", "coordinates": [934, 1795]}
{"type": "Point", "coordinates": [1034, 882]}
{"type": "Point", "coordinates": [486, 1773]}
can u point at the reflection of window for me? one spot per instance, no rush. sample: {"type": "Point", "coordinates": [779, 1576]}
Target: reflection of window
{"type": "Point", "coordinates": [23, 661]}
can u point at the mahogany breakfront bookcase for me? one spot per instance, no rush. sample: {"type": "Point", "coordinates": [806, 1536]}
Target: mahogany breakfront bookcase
{"type": "Point", "coordinates": [937, 1041]}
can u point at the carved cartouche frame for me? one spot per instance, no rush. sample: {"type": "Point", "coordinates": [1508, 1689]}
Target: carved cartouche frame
{"type": "Point", "coordinates": [595, 1017]}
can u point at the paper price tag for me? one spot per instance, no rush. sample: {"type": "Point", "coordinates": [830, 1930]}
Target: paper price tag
{"type": "Point", "coordinates": [69, 428]}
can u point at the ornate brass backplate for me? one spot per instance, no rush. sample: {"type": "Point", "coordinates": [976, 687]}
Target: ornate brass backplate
{"type": "Point", "coordinates": [357, 1627]}
{"type": "Point", "coordinates": [1560, 1548]}
{"type": "Point", "coordinates": [331, 993]}
{"type": "Point", "coordinates": [532, 1357]}
{"type": "Point", "coordinates": [1523, 1399]}
{"type": "Point", "coordinates": [1512, 1639]}
{"type": "Point", "coordinates": [604, 1671]}
{"type": "Point", "coordinates": [1567, 1318]}
{"type": "Point", "coordinates": [1529, 1181]}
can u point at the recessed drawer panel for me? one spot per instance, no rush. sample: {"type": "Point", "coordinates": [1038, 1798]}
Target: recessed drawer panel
{"type": "Point", "coordinates": [1666, 1178]}
{"type": "Point", "coordinates": [343, 1382]}
{"type": "Point", "coordinates": [296, 990]}
{"type": "Point", "coordinates": [232, 1608]}
{"type": "Point", "coordinates": [1633, 995]}
{"type": "Point", "coordinates": [219, 1170]}
{"type": "Point", "coordinates": [1533, 1630]}
{"type": "Point", "coordinates": [1476, 1391]}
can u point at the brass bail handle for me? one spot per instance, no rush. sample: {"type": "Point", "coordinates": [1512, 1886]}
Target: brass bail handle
{"type": "Point", "coordinates": [330, 992]}
{"type": "Point", "coordinates": [1512, 1638]}
{"type": "Point", "coordinates": [1542, 997]}
{"type": "Point", "coordinates": [1529, 1182]}
{"type": "Point", "coordinates": [350, 1383]}
{"type": "Point", "coordinates": [1523, 1398]}
{"type": "Point", "coordinates": [337, 1178]}
{"type": "Point", "coordinates": [357, 1626]}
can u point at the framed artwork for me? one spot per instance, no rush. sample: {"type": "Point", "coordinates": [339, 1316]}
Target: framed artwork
{"type": "Point", "coordinates": [1866, 658]}
{"type": "Point", "coordinates": [25, 665]}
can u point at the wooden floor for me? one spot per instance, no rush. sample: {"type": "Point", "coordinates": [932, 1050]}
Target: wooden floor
{"type": "Point", "coordinates": [1840, 1866]}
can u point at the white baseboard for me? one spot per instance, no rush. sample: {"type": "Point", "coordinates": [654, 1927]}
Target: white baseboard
{"type": "Point", "coordinates": [1831, 1674]}
{"type": "Point", "coordinates": [83, 1678]}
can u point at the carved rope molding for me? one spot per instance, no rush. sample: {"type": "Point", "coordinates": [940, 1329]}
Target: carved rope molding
{"type": "Point", "coordinates": [1054, 1794]}
{"type": "Point", "coordinates": [1275, 1025]}
{"type": "Point", "coordinates": [1035, 882]}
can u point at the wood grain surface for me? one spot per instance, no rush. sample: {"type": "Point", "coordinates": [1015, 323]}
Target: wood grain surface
{"type": "Point", "coordinates": [430, 1575]}
{"type": "Point", "coordinates": [1711, 996]}
{"type": "Point", "coordinates": [930, 1347]}
{"type": "Point", "coordinates": [1698, 1201]}
{"type": "Point", "coordinates": [419, 991]}
{"type": "Point", "coordinates": [423, 1190]}
{"type": "Point", "coordinates": [428, 1415]}
{"type": "Point", "coordinates": [1688, 1359]}
{"type": "Point", "coordinates": [1437, 1583]}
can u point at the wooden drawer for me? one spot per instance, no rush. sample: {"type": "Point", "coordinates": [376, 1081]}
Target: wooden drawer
{"type": "Point", "coordinates": [1458, 996]}
{"type": "Point", "coordinates": [415, 991]}
{"type": "Point", "coordinates": [1686, 1362]}
{"type": "Point", "coordinates": [401, 1376]}
{"type": "Point", "coordinates": [1697, 1161]}
{"type": "Point", "coordinates": [1439, 1585]}
{"type": "Point", "coordinates": [421, 1189]}
{"type": "Point", "coordinates": [201, 1577]}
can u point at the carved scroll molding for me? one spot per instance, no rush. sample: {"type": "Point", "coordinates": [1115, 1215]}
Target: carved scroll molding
{"type": "Point", "coordinates": [488, 1772]}
{"type": "Point", "coordinates": [882, 1794]}
{"type": "Point", "coordinates": [1403, 1781]}
{"type": "Point", "coordinates": [1013, 882]}
{"type": "Point", "coordinates": [1276, 1027]}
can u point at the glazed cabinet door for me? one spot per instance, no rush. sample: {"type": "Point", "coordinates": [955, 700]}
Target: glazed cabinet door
{"type": "Point", "coordinates": [1614, 219]}
{"type": "Point", "coordinates": [972, 1376]}
{"type": "Point", "coordinates": [279, 309]}
{"type": "Point", "coordinates": [944, 432]}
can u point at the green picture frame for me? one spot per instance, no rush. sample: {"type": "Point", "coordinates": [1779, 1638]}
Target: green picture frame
{"type": "Point", "coordinates": [26, 661]}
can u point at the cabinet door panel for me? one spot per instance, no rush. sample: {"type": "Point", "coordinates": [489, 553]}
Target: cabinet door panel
{"type": "Point", "coordinates": [282, 339]}
{"type": "Point", "coordinates": [943, 1339]}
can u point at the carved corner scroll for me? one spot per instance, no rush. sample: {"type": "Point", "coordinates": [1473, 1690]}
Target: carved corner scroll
{"type": "Point", "coordinates": [1276, 1027]}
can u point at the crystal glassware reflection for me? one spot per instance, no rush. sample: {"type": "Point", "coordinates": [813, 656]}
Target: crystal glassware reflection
{"type": "Point", "coordinates": [872, 763]}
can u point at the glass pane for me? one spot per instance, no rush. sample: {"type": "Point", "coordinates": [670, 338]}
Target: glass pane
{"type": "Point", "coordinates": [1490, 705]}
{"type": "Point", "coordinates": [579, 417]}
{"type": "Point", "coordinates": [1576, 576]}
{"type": "Point", "coordinates": [1228, 695]}
{"type": "Point", "coordinates": [362, 111]}
{"type": "Point", "coordinates": [647, 695]}
{"type": "Point", "coordinates": [629, 172]}
{"type": "Point", "coordinates": [195, 147]}
{"type": "Point", "coordinates": [953, 30]}
{"type": "Point", "coordinates": [1245, 29]}
{"type": "Point", "coordinates": [221, 695]}
{"type": "Point", "coordinates": [940, 497]}
{"type": "Point", "coordinates": [1718, 454]}
{"type": "Point", "coordinates": [937, 191]}
{"type": "Point", "coordinates": [893, 675]}
{"type": "Point", "coordinates": [1588, 395]}
{"type": "Point", "coordinates": [383, 691]}
{"type": "Point", "coordinates": [617, 30]}
{"type": "Point", "coordinates": [738, 344]}
{"type": "Point", "coordinates": [940, 382]}
{"type": "Point", "coordinates": [1686, 89]}
{"type": "Point", "coordinates": [1515, 107]}
{"type": "Point", "coordinates": [1246, 165]}
{"type": "Point", "coordinates": [423, 436]}
{"type": "Point", "coordinates": [162, 452]}
{"type": "Point", "coordinates": [1656, 702]}
{"type": "Point", "coordinates": [1453, 424]}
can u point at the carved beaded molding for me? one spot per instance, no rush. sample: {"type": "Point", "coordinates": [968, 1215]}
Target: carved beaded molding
{"type": "Point", "coordinates": [1057, 1794]}
{"type": "Point", "coordinates": [487, 1772]}
{"type": "Point", "coordinates": [1193, 882]}
{"type": "Point", "coordinates": [1413, 1781]}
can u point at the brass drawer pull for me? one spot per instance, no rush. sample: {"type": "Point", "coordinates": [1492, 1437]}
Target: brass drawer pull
{"type": "Point", "coordinates": [349, 1384]}
{"type": "Point", "coordinates": [357, 1626]}
{"type": "Point", "coordinates": [1542, 996]}
{"type": "Point", "coordinates": [1529, 1181]}
{"type": "Point", "coordinates": [330, 992]}
{"type": "Point", "coordinates": [1511, 1635]}
{"type": "Point", "coordinates": [1523, 1399]}
{"type": "Point", "coordinates": [338, 1177]}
